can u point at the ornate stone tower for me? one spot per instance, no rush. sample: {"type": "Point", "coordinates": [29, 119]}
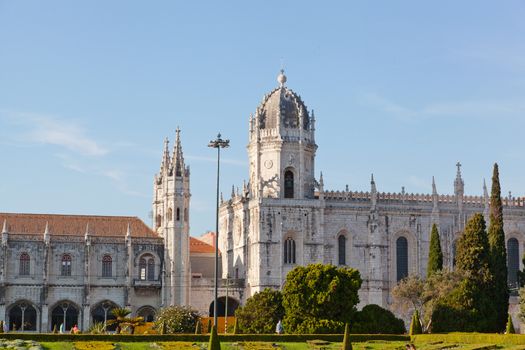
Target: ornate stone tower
{"type": "Point", "coordinates": [171, 204]}
{"type": "Point", "coordinates": [282, 146]}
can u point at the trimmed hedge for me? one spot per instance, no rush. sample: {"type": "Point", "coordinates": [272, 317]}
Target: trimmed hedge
{"type": "Point", "coordinates": [204, 338]}
{"type": "Point", "coordinates": [471, 338]}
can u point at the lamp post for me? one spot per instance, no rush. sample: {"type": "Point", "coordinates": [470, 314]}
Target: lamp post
{"type": "Point", "coordinates": [217, 143]}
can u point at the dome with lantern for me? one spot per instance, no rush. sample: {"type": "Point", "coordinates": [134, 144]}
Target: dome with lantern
{"type": "Point", "coordinates": [282, 108]}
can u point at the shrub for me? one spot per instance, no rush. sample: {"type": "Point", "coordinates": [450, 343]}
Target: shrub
{"type": "Point", "coordinates": [510, 326]}
{"type": "Point", "coordinates": [373, 319]}
{"type": "Point", "coordinates": [320, 298]}
{"type": "Point", "coordinates": [261, 313]}
{"type": "Point", "coordinates": [208, 326]}
{"type": "Point", "coordinates": [415, 325]}
{"type": "Point", "coordinates": [96, 328]}
{"type": "Point", "coordinates": [177, 319]}
{"type": "Point", "coordinates": [347, 345]}
{"type": "Point", "coordinates": [214, 343]}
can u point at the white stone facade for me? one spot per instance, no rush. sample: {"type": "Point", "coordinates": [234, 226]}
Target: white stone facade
{"type": "Point", "coordinates": [284, 217]}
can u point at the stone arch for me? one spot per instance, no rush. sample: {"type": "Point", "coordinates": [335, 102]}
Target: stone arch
{"type": "Point", "coordinates": [411, 256]}
{"type": "Point", "coordinates": [23, 315]}
{"type": "Point", "coordinates": [64, 312]}
{"type": "Point", "coordinates": [513, 262]}
{"type": "Point", "coordinates": [24, 264]}
{"type": "Point", "coordinates": [291, 247]}
{"type": "Point", "coordinates": [148, 266]}
{"type": "Point", "coordinates": [343, 249]}
{"type": "Point", "coordinates": [233, 304]}
{"type": "Point", "coordinates": [149, 313]}
{"type": "Point", "coordinates": [289, 183]}
{"type": "Point", "coordinates": [101, 313]}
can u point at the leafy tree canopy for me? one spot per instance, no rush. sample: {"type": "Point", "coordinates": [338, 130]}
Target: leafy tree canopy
{"type": "Point", "coordinates": [261, 313]}
{"type": "Point", "coordinates": [320, 298]}
{"type": "Point", "coordinates": [177, 319]}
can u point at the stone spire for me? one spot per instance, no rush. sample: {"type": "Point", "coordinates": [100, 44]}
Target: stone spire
{"type": "Point", "coordinates": [5, 234]}
{"type": "Point", "coordinates": [87, 235]}
{"type": "Point", "coordinates": [373, 193]}
{"type": "Point", "coordinates": [128, 234]}
{"type": "Point", "coordinates": [165, 163]}
{"type": "Point", "coordinates": [321, 186]}
{"type": "Point", "coordinates": [459, 187]}
{"type": "Point", "coordinates": [47, 235]}
{"type": "Point", "coordinates": [486, 202]}
{"type": "Point", "coordinates": [435, 203]}
{"type": "Point", "coordinates": [178, 158]}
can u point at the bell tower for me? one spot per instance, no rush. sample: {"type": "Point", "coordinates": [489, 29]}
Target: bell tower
{"type": "Point", "coordinates": [171, 204]}
{"type": "Point", "coordinates": [282, 146]}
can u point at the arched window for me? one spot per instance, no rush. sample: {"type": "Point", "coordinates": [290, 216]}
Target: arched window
{"type": "Point", "coordinates": [158, 221]}
{"type": "Point", "coordinates": [178, 214]}
{"type": "Point", "coordinates": [107, 266]}
{"type": "Point", "coordinates": [169, 215]}
{"type": "Point", "coordinates": [25, 262]}
{"type": "Point", "coordinates": [513, 262]}
{"type": "Point", "coordinates": [288, 184]}
{"type": "Point", "coordinates": [289, 251]}
{"type": "Point", "coordinates": [402, 258]}
{"type": "Point", "coordinates": [66, 265]}
{"type": "Point", "coordinates": [147, 268]}
{"type": "Point", "coordinates": [186, 214]}
{"type": "Point", "coordinates": [341, 248]}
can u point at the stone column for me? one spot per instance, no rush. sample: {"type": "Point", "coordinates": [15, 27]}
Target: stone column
{"type": "Point", "coordinates": [84, 326]}
{"type": "Point", "coordinates": [44, 319]}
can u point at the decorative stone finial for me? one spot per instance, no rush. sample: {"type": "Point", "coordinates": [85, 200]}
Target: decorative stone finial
{"type": "Point", "coordinates": [281, 78]}
{"type": "Point", "coordinates": [128, 231]}
{"type": "Point", "coordinates": [434, 190]}
{"type": "Point", "coordinates": [4, 228]}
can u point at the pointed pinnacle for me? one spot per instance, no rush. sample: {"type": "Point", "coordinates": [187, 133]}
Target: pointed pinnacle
{"type": "Point", "coordinates": [4, 228]}
{"type": "Point", "coordinates": [46, 230]}
{"type": "Point", "coordinates": [128, 231]}
{"type": "Point", "coordinates": [434, 190]}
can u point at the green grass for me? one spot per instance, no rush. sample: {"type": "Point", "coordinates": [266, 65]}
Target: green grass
{"type": "Point", "coordinates": [58, 346]}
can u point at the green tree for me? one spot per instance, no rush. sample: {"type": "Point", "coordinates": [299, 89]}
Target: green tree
{"type": "Point", "coordinates": [373, 319]}
{"type": "Point", "coordinates": [509, 329]}
{"type": "Point", "coordinates": [214, 343]}
{"type": "Point", "coordinates": [198, 327]}
{"type": "Point", "coordinates": [498, 254]}
{"type": "Point", "coordinates": [177, 319]}
{"type": "Point", "coordinates": [261, 312]}
{"type": "Point", "coordinates": [470, 307]}
{"type": "Point", "coordinates": [415, 324]}
{"type": "Point", "coordinates": [347, 345]}
{"type": "Point", "coordinates": [133, 322]}
{"type": "Point", "coordinates": [435, 255]}
{"type": "Point", "coordinates": [320, 298]}
{"type": "Point", "coordinates": [121, 316]}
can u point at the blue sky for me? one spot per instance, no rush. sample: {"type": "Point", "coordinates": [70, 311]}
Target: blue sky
{"type": "Point", "coordinates": [401, 89]}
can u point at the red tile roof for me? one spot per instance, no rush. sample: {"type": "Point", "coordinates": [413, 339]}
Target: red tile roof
{"type": "Point", "coordinates": [75, 225]}
{"type": "Point", "coordinates": [198, 246]}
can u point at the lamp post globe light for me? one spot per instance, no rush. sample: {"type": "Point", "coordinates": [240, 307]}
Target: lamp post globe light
{"type": "Point", "coordinates": [217, 143]}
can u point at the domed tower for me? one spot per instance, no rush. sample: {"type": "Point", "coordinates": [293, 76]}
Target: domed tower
{"type": "Point", "coordinates": [282, 146]}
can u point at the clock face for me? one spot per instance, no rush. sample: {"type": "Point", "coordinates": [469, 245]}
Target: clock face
{"type": "Point", "coordinates": [268, 164]}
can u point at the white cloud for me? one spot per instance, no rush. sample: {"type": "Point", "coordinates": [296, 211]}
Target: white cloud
{"type": "Point", "coordinates": [50, 130]}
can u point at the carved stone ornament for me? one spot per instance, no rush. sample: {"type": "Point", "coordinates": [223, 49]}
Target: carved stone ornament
{"type": "Point", "coordinates": [268, 164]}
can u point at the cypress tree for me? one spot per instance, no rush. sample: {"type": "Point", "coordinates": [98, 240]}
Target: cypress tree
{"type": "Point", "coordinates": [415, 325]}
{"type": "Point", "coordinates": [236, 326]}
{"type": "Point", "coordinates": [498, 254]}
{"type": "Point", "coordinates": [435, 255]}
{"type": "Point", "coordinates": [214, 343]}
{"type": "Point", "coordinates": [474, 295]}
{"type": "Point", "coordinates": [347, 345]}
{"type": "Point", "coordinates": [208, 326]}
{"type": "Point", "coordinates": [510, 326]}
{"type": "Point", "coordinates": [198, 327]}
